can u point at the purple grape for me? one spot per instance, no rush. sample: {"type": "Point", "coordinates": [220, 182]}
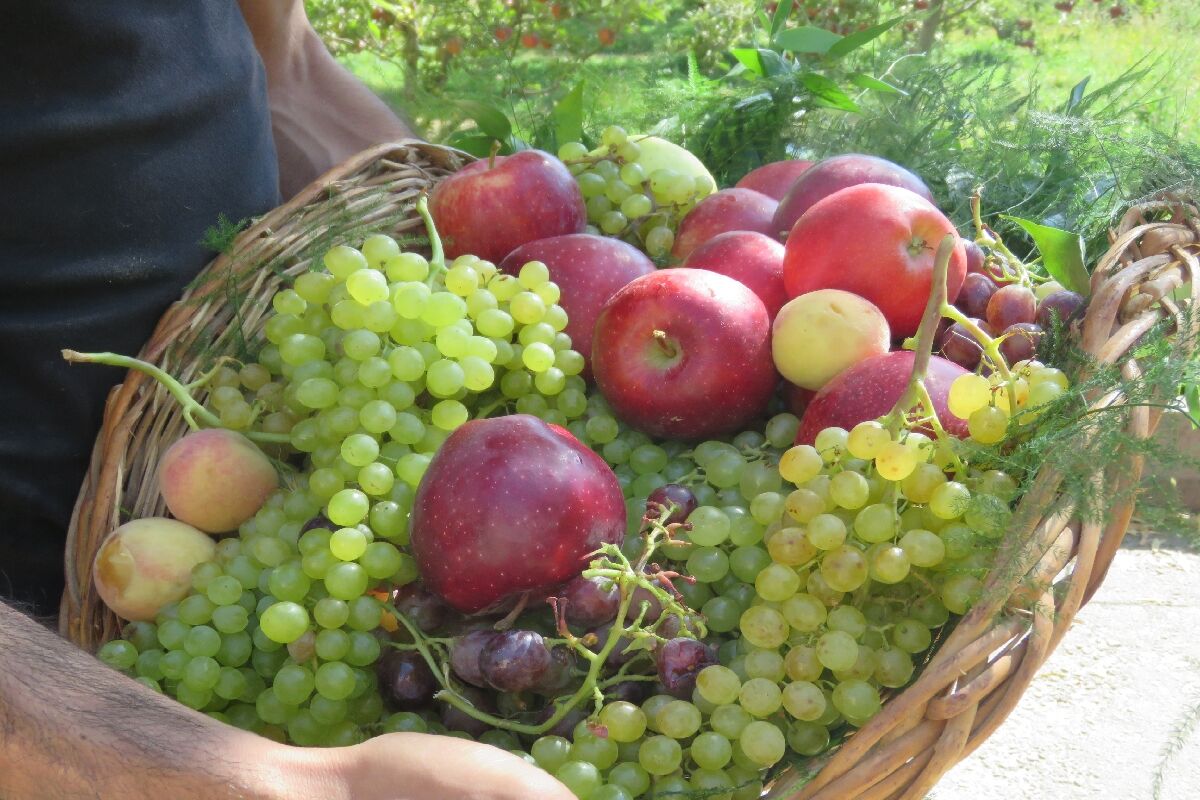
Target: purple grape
{"type": "Point", "coordinates": [959, 346]}
{"type": "Point", "coordinates": [643, 595]}
{"type": "Point", "coordinates": [1021, 343]}
{"type": "Point", "coordinates": [590, 601]}
{"type": "Point", "coordinates": [319, 521]}
{"type": "Point", "coordinates": [425, 610]}
{"type": "Point", "coordinates": [975, 259]}
{"type": "Point", "coordinates": [465, 651]}
{"type": "Point", "coordinates": [672, 494]}
{"type": "Point", "coordinates": [1065, 305]}
{"type": "Point", "coordinates": [1011, 304]}
{"type": "Point", "coordinates": [671, 627]}
{"type": "Point", "coordinates": [457, 720]}
{"type": "Point", "coordinates": [565, 727]}
{"type": "Point", "coordinates": [560, 675]}
{"type": "Point", "coordinates": [679, 661]}
{"type": "Point", "coordinates": [977, 289]}
{"type": "Point", "coordinates": [630, 691]}
{"type": "Point", "coordinates": [515, 661]}
{"type": "Point", "coordinates": [405, 680]}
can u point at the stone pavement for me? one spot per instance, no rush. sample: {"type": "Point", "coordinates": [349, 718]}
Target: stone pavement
{"type": "Point", "coordinates": [1096, 720]}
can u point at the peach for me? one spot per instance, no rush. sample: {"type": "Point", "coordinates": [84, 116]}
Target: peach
{"type": "Point", "coordinates": [215, 479]}
{"type": "Point", "coordinates": [821, 333]}
{"type": "Point", "coordinates": [147, 563]}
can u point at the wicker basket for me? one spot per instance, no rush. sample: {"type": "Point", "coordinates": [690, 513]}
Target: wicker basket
{"type": "Point", "coordinates": [1046, 571]}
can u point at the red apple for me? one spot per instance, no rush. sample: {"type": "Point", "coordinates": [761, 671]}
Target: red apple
{"type": "Point", "coordinates": [727, 210]}
{"type": "Point", "coordinates": [588, 270]}
{"type": "Point", "coordinates": [774, 179]}
{"type": "Point", "coordinates": [796, 398]}
{"type": "Point", "coordinates": [684, 354]}
{"type": "Point", "coordinates": [876, 241]}
{"type": "Point", "coordinates": [870, 388]}
{"type": "Point", "coordinates": [754, 259]}
{"type": "Point", "coordinates": [489, 210]}
{"type": "Point", "coordinates": [828, 176]}
{"type": "Point", "coordinates": [511, 505]}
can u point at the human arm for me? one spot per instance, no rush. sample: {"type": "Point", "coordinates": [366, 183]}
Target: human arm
{"type": "Point", "coordinates": [72, 727]}
{"type": "Point", "coordinates": [320, 113]}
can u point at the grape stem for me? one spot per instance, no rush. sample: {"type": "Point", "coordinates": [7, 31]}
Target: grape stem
{"type": "Point", "coordinates": [916, 393]}
{"type": "Point", "coordinates": [437, 255]}
{"type": "Point", "coordinates": [191, 408]}
{"type": "Point", "coordinates": [1012, 269]}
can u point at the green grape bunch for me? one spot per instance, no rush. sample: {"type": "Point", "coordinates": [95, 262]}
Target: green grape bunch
{"type": "Point", "coordinates": [636, 188]}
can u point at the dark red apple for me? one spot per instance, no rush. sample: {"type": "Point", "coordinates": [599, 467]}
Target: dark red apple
{"type": "Point", "coordinates": [796, 398]}
{"type": "Point", "coordinates": [510, 505]}
{"type": "Point", "coordinates": [828, 176]}
{"type": "Point", "coordinates": [684, 354]}
{"type": "Point", "coordinates": [774, 179]}
{"type": "Point", "coordinates": [726, 210]}
{"type": "Point", "coordinates": [588, 270]}
{"type": "Point", "coordinates": [878, 242]}
{"type": "Point", "coordinates": [870, 388]}
{"type": "Point", "coordinates": [490, 209]}
{"type": "Point", "coordinates": [754, 259]}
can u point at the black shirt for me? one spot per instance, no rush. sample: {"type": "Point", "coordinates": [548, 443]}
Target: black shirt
{"type": "Point", "coordinates": [126, 127]}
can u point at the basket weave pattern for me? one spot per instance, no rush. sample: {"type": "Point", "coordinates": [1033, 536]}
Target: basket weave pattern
{"type": "Point", "coordinates": [1045, 572]}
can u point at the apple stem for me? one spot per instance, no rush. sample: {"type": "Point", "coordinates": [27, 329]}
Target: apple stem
{"type": "Point", "coordinates": [492, 155]}
{"type": "Point", "coordinates": [916, 392]}
{"type": "Point", "coordinates": [191, 408]}
{"type": "Point", "coordinates": [437, 255]}
{"type": "Point", "coordinates": [664, 344]}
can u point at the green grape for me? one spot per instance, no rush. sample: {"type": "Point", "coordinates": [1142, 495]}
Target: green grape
{"type": "Point", "coordinates": [988, 515]}
{"type": "Point", "coordinates": [630, 776]}
{"type": "Point", "coordinates": [600, 752]}
{"type": "Point", "coordinates": [747, 562]}
{"type": "Point", "coordinates": [550, 752]}
{"type": "Point", "coordinates": [857, 700]}
{"type": "Point", "coordinates": [449, 414]}
{"type": "Point", "coordinates": [844, 568]}
{"type": "Point", "coordinates": [347, 544]}
{"type": "Point", "coordinates": [875, 523]}
{"type": "Point", "coordinates": [911, 636]}
{"type": "Point", "coordinates": [923, 548]}
{"type": "Point", "coordinates": [804, 504]}
{"type": "Point", "coordinates": [837, 650]}
{"type": "Point", "coordinates": [201, 641]}
{"type": "Point", "coordinates": [867, 439]}
{"type": "Point", "coordinates": [725, 470]}
{"type": "Point", "coordinates": [959, 593]}
{"type": "Point", "coordinates": [710, 526]}
{"type": "Point", "coordinates": [708, 564]}
{"type": "Point", "coordinates": [893, 668]}
{"type": "Point", "coordinates": [346, 581]}
{"type": "Point", "coordinates": [678, 719]}
{"type": "Point", "coordinates": [776, 582]}
{"type": "Point", "coordinates": [766, 664]}
{"type": "Point", "coordinates": [660, 755]}
{"type": "Point", "coordinates": [284, 622]}
{"type": "Point", "coordinates": [921, 484]}
{"type": "Point", "coordinates": [763, 743]}
{"type": "Point", "coordinates": [764, 627]}
{"type": "Point", "coordinates": [850, 489]}
{"type": "Point", "coordinates": [949, 500]}
{"type": "Point", "coordinates": [711, 750]}
{"type": "Point", "coordinates": [347, 507]}
{"type": "Point", "coordinates": [718, 685]}
{"type": "Point", "coordinates": [760, 697]}
{"type": "Point", "coordinates": [889, 563]}
{"type": "Point", "coordinates": [335, 680]}
{"type": "Point", "coordinates": [826, 531]}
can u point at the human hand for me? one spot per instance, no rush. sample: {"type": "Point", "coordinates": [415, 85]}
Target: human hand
{"type": "Point", "coordinates": [417, 766]}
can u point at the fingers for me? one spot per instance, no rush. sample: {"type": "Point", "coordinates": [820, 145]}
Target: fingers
{"type": "Point", "coordinates": [415, 766]}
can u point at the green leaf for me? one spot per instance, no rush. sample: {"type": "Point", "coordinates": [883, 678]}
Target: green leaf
{"type": "Point", "coordinates": [763, 63]}
{"type": "Point", "coordinates": [828, 93]}
{"type": "Point", "coordinates": [473, 142]}
{"type": "Point", "coordinates": [782, 12]}
{"type": "Point", "coordinates": [568, 116]}
{"type": "Point", "coordinates": [1192, 395]}
{"type": "Point", "coordinates": [1062, 253]}
{"type": "Point", "coordinates": [748, 57]}
{"type": "Point", "coordinates": [875, 84]}
{"type": "Point", "coordinates": [490, 119]}
{"type": "Point", "coordinates": [1077, 93]}
{"type": "Point", "coordinates": [807, 39]}
{"type": "Point", "coordinates": [859, 38]}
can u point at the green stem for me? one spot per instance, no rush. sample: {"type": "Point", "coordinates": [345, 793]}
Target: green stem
{"type": "Point", "coordinates": [991, 349]}
{"type": "Point", "coordinates": [926, 333]}
{"type": "Point", "coordinates": [191, 408]}
{"type": "Point", "coordinates": [437, 255]}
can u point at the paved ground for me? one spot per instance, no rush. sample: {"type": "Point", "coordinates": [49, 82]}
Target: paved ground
{"type": "Point", "coordinates": [1096, 721]}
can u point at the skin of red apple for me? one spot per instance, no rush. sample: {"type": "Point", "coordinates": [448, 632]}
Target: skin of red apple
{"type": "Point", "coordinates": [727, 210]}
{"type": "Point", "coordinates": [588, 270]}
{"type": "Point", "coordinates": [876, 241]}
{"type": "Point", "coordinates": [509, 505]}
{"type": "Point", "coordinates": [774, 179]}
{"type": "Point", "coordinates": [835, 173]}
{"type": "Point", "coordinates": [711, 373]}
{"type": "Point", "coordinates": [751, 258]}
{"type": "Point", "coordinates": [870, 388]}
{"type": "Point", "coordinates": [489, 210]}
